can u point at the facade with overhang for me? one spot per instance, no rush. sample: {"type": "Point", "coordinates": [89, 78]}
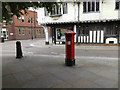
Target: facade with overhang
{"type": "Point", "coordinates": [93, 21]}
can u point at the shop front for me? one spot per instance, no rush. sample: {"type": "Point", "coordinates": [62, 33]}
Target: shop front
{"type": "Point", "coordinates": [58, 33]}
{"type": "Point", "coordinates": [89, 33]}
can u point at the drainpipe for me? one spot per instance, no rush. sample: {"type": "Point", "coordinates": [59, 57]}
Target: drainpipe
{"type": "Point", "coordinates": [78, 23]}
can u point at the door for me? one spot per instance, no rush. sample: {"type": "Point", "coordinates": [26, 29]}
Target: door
{"type": "Point", "coordinates": [4, 33]}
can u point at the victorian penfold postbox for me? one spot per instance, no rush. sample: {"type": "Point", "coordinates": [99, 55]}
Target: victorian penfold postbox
{"type": "Point", "coordinates": [70, 48]}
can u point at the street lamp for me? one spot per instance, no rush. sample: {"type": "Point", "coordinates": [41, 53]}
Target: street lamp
{"type": "Point", "coordinates": [34, 22]}
{"type": "Point", "coordinates": [31, 30]}
{"type": "Point", "coordinates": [31, 25]}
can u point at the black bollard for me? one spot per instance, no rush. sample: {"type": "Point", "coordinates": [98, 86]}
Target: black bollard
{"type": "Point", "coordinates": [2, 39]}
{"type": "Point", "coordinates": [18, 50]}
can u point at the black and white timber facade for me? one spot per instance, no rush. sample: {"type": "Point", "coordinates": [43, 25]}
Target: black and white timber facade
{"type": "Point", "coordinates": [93, 21]}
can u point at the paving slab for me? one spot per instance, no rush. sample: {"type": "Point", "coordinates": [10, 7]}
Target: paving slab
{"type": "Point", "coordinates": [42, 71]}
{"type": "Point", "coordinates": [44, 67]}
{"type": "Point", "coordinates": [106, 83]}
{"type": "Point", "coordinates": [46, 81]}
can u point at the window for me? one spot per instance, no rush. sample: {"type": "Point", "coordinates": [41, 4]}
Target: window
{"type": "Point", "coordinates": [29, 19]}
{"type": "Point", "coordinates": [37, 20]}
{"type": "Point", "coordinates": [111, 29]}
{"type": "Point", "coordinates": [91, 6]}
{"type": "Point", "coordinates": [22, 18]}
{"type": "Point", "coordinates": [84, 30]}
{"type": "Point", "coordinates": [29, 31]}
{"type": "Point", "coordinates": [84, 6]}
{"type": "Point", "coordinates": [19, 31]}
{"type": "Point", "coordinates": [43, 32]}
{"type": "Point", "coordinates": [97, 6]}
{"type": "Point", "coordinates": [19, 19]}
{"type": "Point", "coordinates": [56, 10]}
{"type": "Point", "coordinates": [23, 32]}
{"type": "Point", "coordinates": [46, 12]}
{"type": "Point", "coordinates": [117, 3]}
{"type": "Point", "coordinates": [39, 32]}
{"type": "Point", "coordinates": [65, 8]}
{"type": "Point", "coordinates": [7, 32]}
{"type": "Point", "coordinates": [36, 32]}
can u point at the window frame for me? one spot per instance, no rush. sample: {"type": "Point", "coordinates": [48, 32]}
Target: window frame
{"type": "Point", "coordinates": [117, 7]}
{"type": "Point", "coordinates": [97, 6]}
{"type": "Point", "coordinates": [23, 31]}
{"type": "Point", "coordinates": [19, 31]}
{"type": "Point", "coordinates": [84, 7]}
{"type": "Point", "coordinates": [91, 6]}
{"type": "Point", "coordinates": [32, 20]}
{"type": "Point", "coordinates": [65, 10]}
{"type": "Point", "coordinates": [23, 19]}
{"type": "Point", "coordinates": [29, 32]}
{"type": "Point", "coordinates": [46, 12]}
{"type": "Point", "coordinates": [58, 11]}
{"type": "Point", "coordinates": [28, 19]}
{"type": "Point", "coordinates": [39, 31]}
{"type": "Point", "coordinates": [19, 19]}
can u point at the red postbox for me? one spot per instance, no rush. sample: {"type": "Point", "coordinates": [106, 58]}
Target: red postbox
{"type": "Point", "coordinates": [70, 48]}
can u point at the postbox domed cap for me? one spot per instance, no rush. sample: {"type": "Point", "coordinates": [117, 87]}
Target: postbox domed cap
{"type": "Point", "coordinates": [70, 32]}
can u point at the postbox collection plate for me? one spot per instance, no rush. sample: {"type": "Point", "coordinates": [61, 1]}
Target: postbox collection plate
{"type": "Point", "coordinates": [69, 43]}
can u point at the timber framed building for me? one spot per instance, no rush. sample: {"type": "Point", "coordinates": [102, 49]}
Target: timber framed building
{"type": "Point", "coordinates": [93, 21]}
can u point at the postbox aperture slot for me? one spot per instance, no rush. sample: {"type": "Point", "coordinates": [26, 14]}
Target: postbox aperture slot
{"type": "Point", "coordinates": [68, 35]}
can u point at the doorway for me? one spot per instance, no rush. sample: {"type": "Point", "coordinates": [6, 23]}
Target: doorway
{"type": "Point", "coordinates": [4, 33]}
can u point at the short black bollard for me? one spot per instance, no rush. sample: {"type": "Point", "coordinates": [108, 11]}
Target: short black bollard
{"type": "Point", "coordinates": [18, 50]}
{"type": "Point", "coordinates": [2, 39]}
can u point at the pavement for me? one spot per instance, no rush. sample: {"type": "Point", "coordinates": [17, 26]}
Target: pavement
{"type": "Point", "coordinates": [48, 70]}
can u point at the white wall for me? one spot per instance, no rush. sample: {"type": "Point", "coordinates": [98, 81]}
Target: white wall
{"type": "Point", "coordinates": [70, 16]}
{"type": "Point", "coordinates": [108, 10]}
{"type": "Point", "coordinates": [41, 17]}
{"type": "Point", "coordinates": [89, 15]}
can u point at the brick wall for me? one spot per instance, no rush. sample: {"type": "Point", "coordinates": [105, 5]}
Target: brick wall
{"type": "Point", "coordinates": [25, 30]}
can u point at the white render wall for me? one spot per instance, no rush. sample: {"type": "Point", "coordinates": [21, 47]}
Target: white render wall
{"type": "Point", "coordinates": [70, 16]}
{"type": "Point", "coordinates": [89, 15]}
{"type": "Point", "coordinates": [41, 16]}
{"type": "Point", "coordinates": [107, 11]}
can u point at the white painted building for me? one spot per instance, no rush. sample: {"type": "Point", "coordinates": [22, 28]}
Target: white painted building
{"type": "Point", "coordinates": [94, 21]}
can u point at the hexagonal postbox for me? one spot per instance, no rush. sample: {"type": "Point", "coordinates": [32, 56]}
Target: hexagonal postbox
{"type": "Point", "coordinates": [70, 48]}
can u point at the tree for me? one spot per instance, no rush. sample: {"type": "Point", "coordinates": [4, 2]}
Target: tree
{"type": "Point", "coordinates": [14, 8]}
